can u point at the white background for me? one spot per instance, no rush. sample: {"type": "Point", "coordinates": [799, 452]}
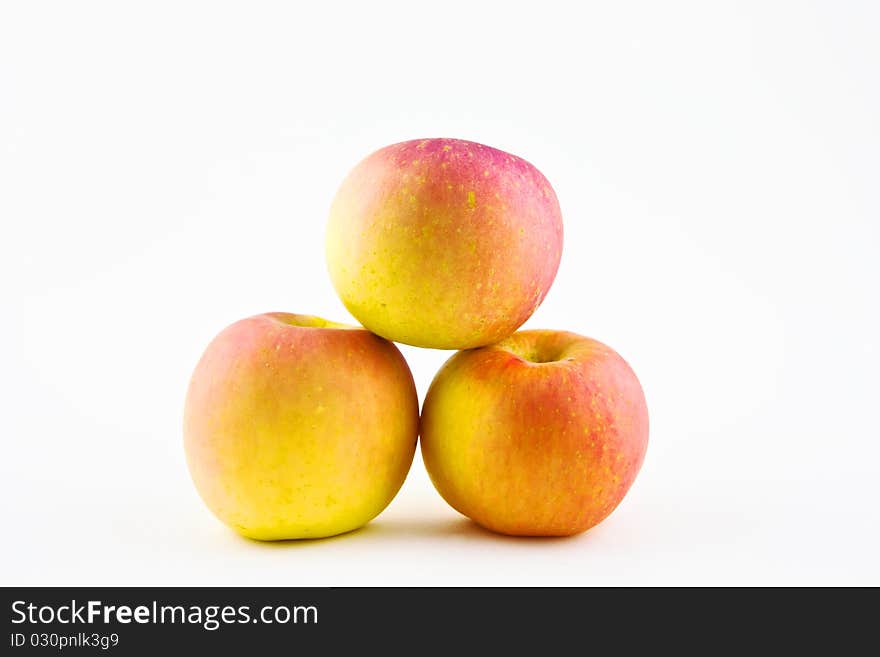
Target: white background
{"type": "Point", "coordinates": [166, 169]}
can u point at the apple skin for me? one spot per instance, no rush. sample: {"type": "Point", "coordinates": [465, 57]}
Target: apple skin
{"type": "Point", "coordinates": [296, 427]}
{"type": "Point", "coordinates": [541, 434]}
{"type": "Point", "coordinates": [443, 243]}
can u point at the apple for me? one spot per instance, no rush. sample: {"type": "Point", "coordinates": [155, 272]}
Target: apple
{"type": "Point", "coordinates": [443, 243]}
{"type": "Point", "coordinates": [541, 434]}
{"type": "Point", "coordinates": [297, 427]}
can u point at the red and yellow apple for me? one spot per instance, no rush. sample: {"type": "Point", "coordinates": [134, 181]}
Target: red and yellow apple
{"type": "Point", "coordinates": [296, 427]}
{"type": "Point", "coordinates": [541, 434]}
{"type": "Point", "coordinates": [443, 243]}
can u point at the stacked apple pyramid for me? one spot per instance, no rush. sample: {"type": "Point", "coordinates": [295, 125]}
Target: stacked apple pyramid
{"type": "Point", "coordinates": [298, 427]}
